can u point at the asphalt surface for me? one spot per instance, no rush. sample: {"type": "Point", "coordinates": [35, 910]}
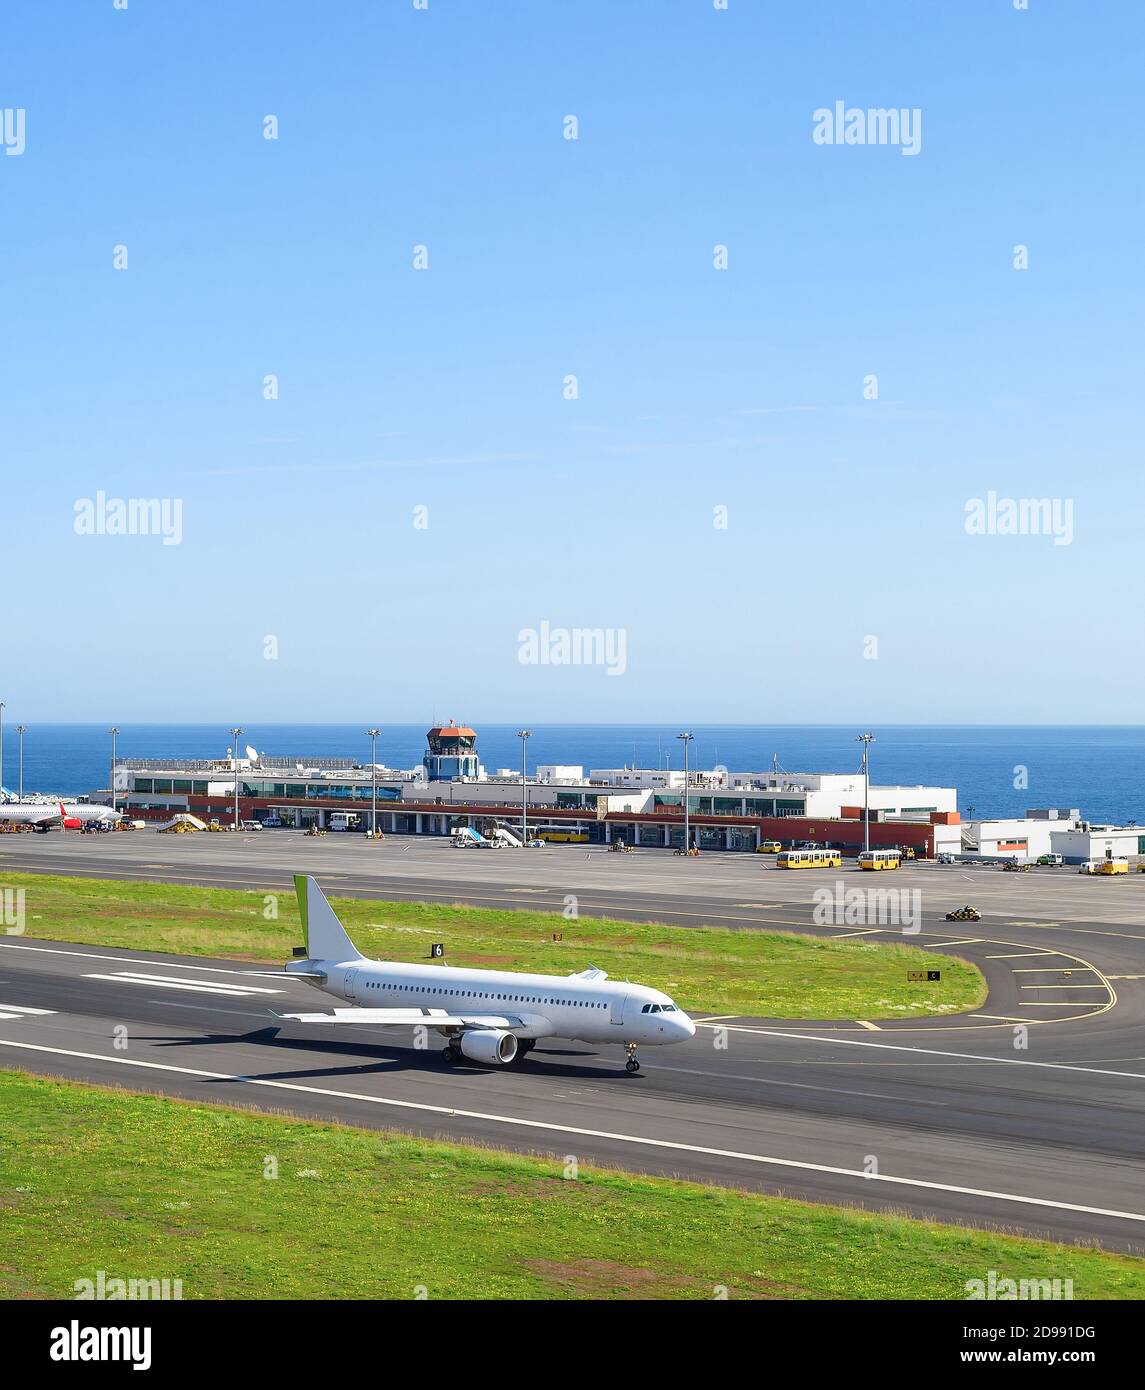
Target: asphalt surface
{"type": "Point", "coordinates": [1025, 1116]}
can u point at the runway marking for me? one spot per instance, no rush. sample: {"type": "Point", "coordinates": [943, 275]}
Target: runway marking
{"type": "Point", "coordinates": [1025, 955]}
{"type": "Point", "coordinates": [23, 1009]}
{"type": "Point", "coordinates": [1049, 969]}
{"type": "Point", "coordinates": [1125, 977]}
{"type": "Point", "coordinates": [969, 941]}
{"type": "Point", "coordinates": [867, 931]}
{"type": "Point", "coordinates": [936, 1052]}
{"type": "Point", "coordinates": [874, 1027]}
{"type": "Point", "coordinates": [200, 987]}
{"type": "Point", "coordinates": [639, 1141]}
{"type": "Point", "coordinates": [1003, 1018]}
{"type": "Point", "coordinates": [139, 976]}
{"type": "Point", "coordinates": [123, 960]}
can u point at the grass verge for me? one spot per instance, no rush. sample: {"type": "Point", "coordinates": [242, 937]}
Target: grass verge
{"type": "Point", "coordinates": [759, 973]}
{"type": "Point", "coordinates": [143, 1187]}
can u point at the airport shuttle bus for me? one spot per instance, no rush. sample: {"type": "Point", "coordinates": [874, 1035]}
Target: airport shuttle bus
{"type": "Point", "coordinates": [562, 835]}
{"type": "Point", "coordinates": [880, 859]}
{"type": "Point", "coordinates": [809, 859]}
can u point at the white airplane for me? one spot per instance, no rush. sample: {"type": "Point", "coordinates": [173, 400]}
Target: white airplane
{"type": "Point", "coordinates": [490, 1016]}
{"type": "Point", "coordinates": [44, 815]}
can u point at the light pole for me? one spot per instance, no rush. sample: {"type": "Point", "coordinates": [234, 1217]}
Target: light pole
{"type": "Point", "coordinates": [235, 733]}
{"type": "Point", "coordinates": [866, 740]}
{"type": "Point", "coordinates": [686, 739]}
{"type": "Point", "coordinates": [373, 737]}
{"type": "Point", "coordinates": [524, 735]}
{"type": "Point", "coordinates": [113, 731]}
{"type": "Point", "coordinates": [1, 747]}
{"type": "Point", "coordinates": [20, 731]}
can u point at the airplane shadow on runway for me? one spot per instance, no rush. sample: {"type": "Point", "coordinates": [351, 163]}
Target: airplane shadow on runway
{"type": "Point", "coordinates": [388, 1058]}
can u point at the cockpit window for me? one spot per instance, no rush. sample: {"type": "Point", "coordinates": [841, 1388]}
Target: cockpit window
{"type": "Point", "coordinates": [669, 1008]}
{"type": "Point", "coordinates": [646, 1008]}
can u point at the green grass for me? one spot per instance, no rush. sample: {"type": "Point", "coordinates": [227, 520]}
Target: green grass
{"type": "Point", "coordinates": [150, 1188]}
{"type": "Point", "coordinates": [761, 973]}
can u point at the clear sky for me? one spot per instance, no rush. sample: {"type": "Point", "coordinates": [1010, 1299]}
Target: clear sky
{"type": "Point", "coordinates": [698, 388]}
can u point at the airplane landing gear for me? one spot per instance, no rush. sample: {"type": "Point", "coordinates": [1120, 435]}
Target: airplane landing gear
{"type": "Point", "coordinates": [632, 1064]}
{"type": "Point", "coordinates": [451, 1053]}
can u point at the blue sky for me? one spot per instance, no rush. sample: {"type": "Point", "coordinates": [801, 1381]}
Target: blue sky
{"type": "Point", "coordinates": [698, 388]}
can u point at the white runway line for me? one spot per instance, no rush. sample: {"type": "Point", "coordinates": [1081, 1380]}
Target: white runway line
{"type": "Point", "coordinates": [638, 1141]}
{"type": "Point", "coordinates": [932, 1051]}
{"type": "Point", "coordinates": [135, 975]}
{"type": "Point", "coordinates": [24, 1009]}
{"type": "Point", "coordinates": [199, 986]}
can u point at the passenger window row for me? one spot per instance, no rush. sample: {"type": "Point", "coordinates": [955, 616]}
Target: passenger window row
{"type": "Point", "coordinates": [506, 998]}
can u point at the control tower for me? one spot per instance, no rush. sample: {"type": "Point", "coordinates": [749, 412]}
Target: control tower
{"type": "Point", "coordinates": [451, 751]}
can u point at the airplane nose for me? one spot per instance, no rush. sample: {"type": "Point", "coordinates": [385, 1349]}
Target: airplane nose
{"type": "Point", "coordinates": [688, 1027]}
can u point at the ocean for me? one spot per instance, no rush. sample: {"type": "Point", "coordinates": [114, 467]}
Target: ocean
{"type": "Point", "coordinates": [999, 771]}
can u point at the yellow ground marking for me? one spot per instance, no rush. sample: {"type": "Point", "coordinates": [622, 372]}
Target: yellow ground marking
{"type": "Point", "coordinates": [874, 1027]}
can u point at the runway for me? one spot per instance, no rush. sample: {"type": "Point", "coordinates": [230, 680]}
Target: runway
{"type": "Point", "coordinates": [947, 1118]}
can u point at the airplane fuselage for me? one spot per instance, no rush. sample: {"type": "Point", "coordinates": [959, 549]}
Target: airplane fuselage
{"type": "Point", "coordinates": [589, 1010]}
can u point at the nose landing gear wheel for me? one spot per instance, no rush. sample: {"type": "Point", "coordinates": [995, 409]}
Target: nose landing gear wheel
{"type": "Point", "coordinates": [632, 1064]}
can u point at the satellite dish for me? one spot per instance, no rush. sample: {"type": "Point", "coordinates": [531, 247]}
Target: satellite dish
{"type": "Point", "coordinates": [251, 754]}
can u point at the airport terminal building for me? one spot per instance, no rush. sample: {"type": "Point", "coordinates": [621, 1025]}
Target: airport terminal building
{"type": "Point", "coordinates": [644, 807]}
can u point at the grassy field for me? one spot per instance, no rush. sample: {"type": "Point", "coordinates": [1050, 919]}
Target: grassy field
{"type": "Point", "coordinates": [148, 1188]}
{"type": "Point", "coordinates": [769, 974]}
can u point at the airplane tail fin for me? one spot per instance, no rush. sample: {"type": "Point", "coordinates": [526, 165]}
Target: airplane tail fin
{"type": "Point", "coordinates": [325, 936]}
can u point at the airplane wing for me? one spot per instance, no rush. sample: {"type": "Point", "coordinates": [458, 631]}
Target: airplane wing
{"type": "Point", "coordinates": [407, 1018]}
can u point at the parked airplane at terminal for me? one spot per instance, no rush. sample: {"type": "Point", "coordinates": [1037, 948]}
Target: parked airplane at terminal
{"type": "Point", "coordinates": [48, 815]}
{"type": "Point", "coordinates": [490, 1016]}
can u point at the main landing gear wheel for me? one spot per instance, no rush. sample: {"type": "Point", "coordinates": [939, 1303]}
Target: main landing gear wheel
{"type": "Point", "coordinates": [632, 1065]}
{"type": "Point", "coordinates": [451, 1054]}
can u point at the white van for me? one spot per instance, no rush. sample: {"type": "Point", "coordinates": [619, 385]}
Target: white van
{"type": "Point", "coordinates": [252, 825]}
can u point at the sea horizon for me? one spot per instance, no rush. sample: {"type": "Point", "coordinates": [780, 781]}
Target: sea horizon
{"type": "Point", "coordinates": [998, 769]}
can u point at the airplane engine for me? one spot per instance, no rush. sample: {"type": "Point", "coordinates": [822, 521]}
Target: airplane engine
{"type": "Point", "coordinates": [490, 1046]}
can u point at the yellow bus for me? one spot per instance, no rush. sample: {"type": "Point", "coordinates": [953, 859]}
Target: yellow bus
{"type": "Point", "coordinates": [562, 835]}
{"type": "Point", "coordinates": [809, 859]}
{"type": "Point", "coordinates": [880, 859]}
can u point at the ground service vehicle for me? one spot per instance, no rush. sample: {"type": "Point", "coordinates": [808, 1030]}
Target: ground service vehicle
{"type": "Point", "coordinates": [1108, 867]}
{"type": "Point", "coordinates": [562, 835]}
{"type": "Point", "coordinates": [809, 859]}
{"type": "Point", "coordinates": [769, 847]}
{"type": "Point", "coordinates": [880, 859]}
{"type": "Point", "coordinates": [964, 914]}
